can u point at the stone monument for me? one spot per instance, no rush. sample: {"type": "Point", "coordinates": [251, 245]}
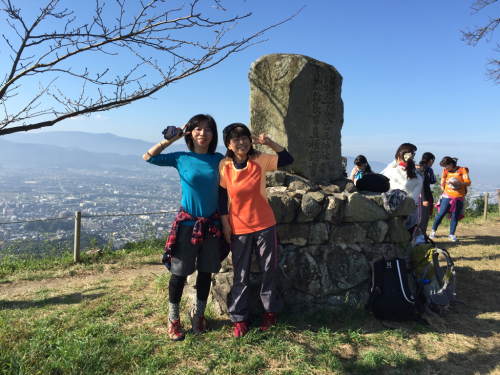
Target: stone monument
{"type": "Point", "coordinates": [327, 231]}
{"type": "Point", "coordinates": [296, 100]}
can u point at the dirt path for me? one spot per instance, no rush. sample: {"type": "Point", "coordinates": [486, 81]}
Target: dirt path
{"type": "Point", "coordinates": [19, 288]}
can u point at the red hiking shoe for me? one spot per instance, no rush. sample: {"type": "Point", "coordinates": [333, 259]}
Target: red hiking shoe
{"type": "Point", "coordinates": [240, 328]}
{"type": "Point", "coordinates": [175, 330]}
{"type": "Point", "coordinates": [199, 323]}
{"type": "Point", "coordinates": [268, 320]}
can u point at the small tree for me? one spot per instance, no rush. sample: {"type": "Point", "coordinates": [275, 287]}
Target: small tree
{"type": "Point", "coordinates": [53, 47]}
{"type": "Point", "coordinates": [472, 37]}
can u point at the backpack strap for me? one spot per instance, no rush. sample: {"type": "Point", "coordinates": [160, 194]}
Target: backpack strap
{"type": "Point", "coordinates": [403, 280]}
{"type": "Point", "coordinates": [377, 281]}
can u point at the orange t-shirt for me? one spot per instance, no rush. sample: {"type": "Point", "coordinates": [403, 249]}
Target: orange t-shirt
{"type": "Point", "coordinates": [248, 208]}
{"type": "Point", "coordinates": [461, 192]}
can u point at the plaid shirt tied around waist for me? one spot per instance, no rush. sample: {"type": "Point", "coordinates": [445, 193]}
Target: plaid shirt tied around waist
{"type": "Point", "coordinates": [197, 236]}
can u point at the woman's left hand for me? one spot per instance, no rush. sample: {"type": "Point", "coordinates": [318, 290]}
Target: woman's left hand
{"type": "Point", "coordinates": [262, 140]}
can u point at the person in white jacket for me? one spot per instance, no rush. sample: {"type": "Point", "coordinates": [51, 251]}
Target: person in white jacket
{"type": "Point", "coordinates": [403, 176]}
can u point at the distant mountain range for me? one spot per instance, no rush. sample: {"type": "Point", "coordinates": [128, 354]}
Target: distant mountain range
{"type": "Point", "coordinates": [72, 149]}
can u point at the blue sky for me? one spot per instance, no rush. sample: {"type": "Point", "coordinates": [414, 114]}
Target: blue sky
{"type": "Point", "coordinates": [408, 77]}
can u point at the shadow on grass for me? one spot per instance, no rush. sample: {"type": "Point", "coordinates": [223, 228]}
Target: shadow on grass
{"type": "Point", "coordinates": [67, 299]}
{"type": "Point", "coordinates": [442, 241]}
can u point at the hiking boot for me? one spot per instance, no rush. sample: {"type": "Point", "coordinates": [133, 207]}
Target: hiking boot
{"type": "Point", "coordinates": [240, 328]}
{"type": "Point", "coordinates": [453, 238]}
{"type": "Point", "coordinates": [433, 234]}
{"type": "Point", "coordinates": [268, 320]}
{"type": "Point", "coordinates": [199, 323]}
{"type": "Point", "coordinates": [175, 330]}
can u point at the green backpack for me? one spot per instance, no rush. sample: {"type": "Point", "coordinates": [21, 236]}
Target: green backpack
{"type": "Point", "coordinates": [437, 286]}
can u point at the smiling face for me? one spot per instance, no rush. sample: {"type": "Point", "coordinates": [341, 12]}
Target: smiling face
{"type": "Point", "coordinates": [240, 145]}
{"type": "Point", "coordinates": [202, 136]}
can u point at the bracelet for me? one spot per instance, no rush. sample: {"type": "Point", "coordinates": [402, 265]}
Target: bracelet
{"type": "Point", "coordinates": [161, 144]}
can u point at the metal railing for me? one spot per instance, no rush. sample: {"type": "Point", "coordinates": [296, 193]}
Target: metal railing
{"type": "Point", "coordinates": [78, 224]}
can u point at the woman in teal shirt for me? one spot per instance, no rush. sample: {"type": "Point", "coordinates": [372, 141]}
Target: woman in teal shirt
{"type": "Point", "coordinates": [194, 240]}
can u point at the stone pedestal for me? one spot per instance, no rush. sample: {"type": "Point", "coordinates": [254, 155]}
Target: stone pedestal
{"type": "Point", "coordinates": [296, 100]}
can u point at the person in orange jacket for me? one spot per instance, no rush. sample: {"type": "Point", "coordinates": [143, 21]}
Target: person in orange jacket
{"type": "Point", "coordinates": [454, 183]}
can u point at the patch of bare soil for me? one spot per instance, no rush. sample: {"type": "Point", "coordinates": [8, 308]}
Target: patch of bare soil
{"type": "Point", "coordinates": [18, 288]}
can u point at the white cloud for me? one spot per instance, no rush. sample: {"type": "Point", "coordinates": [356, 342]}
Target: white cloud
{"type": "Point", "coordinates": [100, 118]}
{"type": "Point", "coordinates": [77, 118]}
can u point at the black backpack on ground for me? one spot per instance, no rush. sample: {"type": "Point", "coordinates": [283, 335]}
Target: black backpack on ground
{"type": "Point", "coordinates": [390, 297]}
{"type": "Point", "coordinates": [375, 182]}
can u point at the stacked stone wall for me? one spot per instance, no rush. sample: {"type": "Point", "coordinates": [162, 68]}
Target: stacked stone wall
{"type": "Point", "coordinates": [327, 236]}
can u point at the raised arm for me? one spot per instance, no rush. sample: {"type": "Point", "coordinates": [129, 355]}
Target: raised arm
{"type": "Point", "coordinates": [159, 147]}
{"type": "Point", "coordinates": [267, 141]}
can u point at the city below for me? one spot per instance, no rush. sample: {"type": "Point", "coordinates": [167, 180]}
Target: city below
{"type": "Point", "coordinates": [122, 198]}
{"type": "Point", "coordinates": [98, 195]}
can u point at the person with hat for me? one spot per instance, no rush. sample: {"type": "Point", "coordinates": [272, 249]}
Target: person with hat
{"type": "Point", "coordinates": [249, 221]}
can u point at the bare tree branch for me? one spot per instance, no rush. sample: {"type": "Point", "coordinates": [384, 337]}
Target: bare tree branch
{"type": "Point", "coordinates": [472, 38]}
{"type": "Point", "coordinates": [51, 54]}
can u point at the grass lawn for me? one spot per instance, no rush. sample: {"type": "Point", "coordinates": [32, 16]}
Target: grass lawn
{"type": "Point", "coordinates": [109, 314]}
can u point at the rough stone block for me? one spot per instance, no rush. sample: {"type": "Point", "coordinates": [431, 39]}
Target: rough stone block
{"type": "Point", "coordinates": [358, 208]}
{"type": "Point", "coordinates": [333, 211]}
{"type": "Point", "coordinates": [297, 194]}
{"type": "Point", "coordinates": [326, 269]}
{"type": "Point", "coordinates": [295, 234]}
{"type": "Point", "coordinates": [317, 196]}
{"type": "Point", "coordinates": [275, 178]}
{"type": "Point", "coordinates": [221, 290]}
{"type": "Point", "coordinates": [297, 101]}
{"type": "Point", "coordinates": [343, 183]}
{"type": "Point", "coordinates": [283, 206]}
{"type": "Point", "coordinates": [275, 189]}
{"type": "Point", "coordinates": [406, 208]}
{"type": "Point", "coordinates": [330, 189]}
{"type": "Point", "coordinates": [386, 250]}
{"type": "Point", "coordinates": [346, 233]}
{"type": "Point", "coordinates": [377, 231]}
{"type": "Point", "coordinates": [226, 265]}
{"type": "Point", "coordinates": [309, 209]}
{"type": "Point", "coordinates": [397, 231]}
{"type": "Point", "coordinates": [293, 182]}
{"type": "Point", "coordinates": [318, 233]}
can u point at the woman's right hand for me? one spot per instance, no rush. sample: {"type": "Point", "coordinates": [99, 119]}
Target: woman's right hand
{"type": "Point", "coordinates": [425, 203]}
{"type": "Point", "coordinates": [227, 230]}
{"type": "Point", "coordinates": [180, 133]}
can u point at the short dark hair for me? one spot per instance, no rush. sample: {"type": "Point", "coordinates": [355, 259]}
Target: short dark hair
{"type": "Point", "coordinates": [360, 159]}
{"type": "Point", "coordinates": [193, 123]}
{"type": "Point", "coordinates": [238, 131]}
{"type": "Point", "coordinates": [448, 160]}
{"type": "Point", "coordinates": [407, 148]}
{"type": "Point", "coordinates": [426, 158]}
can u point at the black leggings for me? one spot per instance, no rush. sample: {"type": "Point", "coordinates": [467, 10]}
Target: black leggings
{"type": "Point", "coordinates": [176, 286]}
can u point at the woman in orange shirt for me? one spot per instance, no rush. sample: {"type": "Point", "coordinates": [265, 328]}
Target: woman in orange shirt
{"type": "Point", "coordinates": [454, 182]}
{"type": "Point", "coordinates": [249, 222]}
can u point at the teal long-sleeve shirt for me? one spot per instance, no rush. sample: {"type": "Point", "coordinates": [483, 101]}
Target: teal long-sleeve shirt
{"type": "Point", "coordinates": [199, 174]}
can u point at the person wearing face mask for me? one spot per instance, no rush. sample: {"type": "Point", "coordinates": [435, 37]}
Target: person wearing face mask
{"type": "Point", "coordinates": [454, 183]}
{"type": "Point", "coordinates": [194, 242]}
{"type": "Point", "coordinates": [249, 221]}
{"type": "Point", "coordinates": [403, 176]}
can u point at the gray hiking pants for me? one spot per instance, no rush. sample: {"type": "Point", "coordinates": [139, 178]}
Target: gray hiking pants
{"type": "Point", "coordinates": [264, 242]}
